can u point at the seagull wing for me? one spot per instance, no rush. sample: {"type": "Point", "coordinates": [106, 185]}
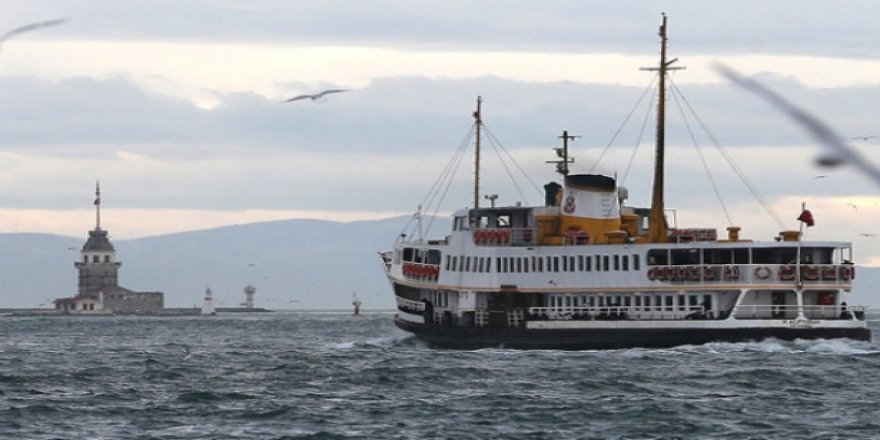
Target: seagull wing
{"type": "Point", "coordinates": [31, 27]}
{"type": "Point", "coordinates": [297, 98]}
{"type": "Point", "coordinates": [329, 91]}
{"type": "Point", "coordinates": [839, 151]}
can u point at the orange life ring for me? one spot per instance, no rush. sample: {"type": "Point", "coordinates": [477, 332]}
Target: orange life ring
{"type": "Point", "coordinates": [731, 273]}
{"type": "Point", "coordinates": [786, 273]}
{"type": "Point", "coordinates": [847, 272]}
{"type": "Point", "coordinates": [681, 273]}
{"type": "Point", "coordinates": [810, 273]}
{"type": "Point", "coordinates": [829, 273]}
{"type": "Point", "coordinates": [710, 273]}
{"type": "Point", "coordinates": [762, 273]}
{"type": "Point", "coordinates": [661, 274]}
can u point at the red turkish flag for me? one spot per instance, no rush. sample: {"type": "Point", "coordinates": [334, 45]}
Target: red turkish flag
{"type": "Point", "coordinates": [807, 217]}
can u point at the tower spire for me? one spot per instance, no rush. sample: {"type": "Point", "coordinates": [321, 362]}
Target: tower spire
{"type": "Point", "coordinates": [97, 205]}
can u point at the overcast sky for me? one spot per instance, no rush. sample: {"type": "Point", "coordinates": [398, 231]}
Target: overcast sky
{"type": "Point", "coordinates": [175, 106]}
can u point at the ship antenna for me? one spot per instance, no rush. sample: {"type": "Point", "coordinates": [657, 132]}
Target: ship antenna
{"type": "Point", "coordinates": [562, 154]}
{"type": "Point", "coordinates": [478, 116]}
{"type": "Point", "coordinates": [658, 231]}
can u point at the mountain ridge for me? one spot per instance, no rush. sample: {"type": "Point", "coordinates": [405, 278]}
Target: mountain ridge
{"type": "Point", "coordinates": [294, 264]}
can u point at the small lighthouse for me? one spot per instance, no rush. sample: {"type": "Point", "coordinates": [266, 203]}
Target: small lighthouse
{"type": "Point", "coordinates": [208, 305]}
{"type": "Point", "coordinates": [249, 292]}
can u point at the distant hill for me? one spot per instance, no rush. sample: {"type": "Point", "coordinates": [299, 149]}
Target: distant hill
{"type": "Point", "coordinates": [294, 264]}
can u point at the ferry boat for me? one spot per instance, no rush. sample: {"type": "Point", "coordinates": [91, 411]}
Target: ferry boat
{"type": "Point", "coordinates": [587, 271]}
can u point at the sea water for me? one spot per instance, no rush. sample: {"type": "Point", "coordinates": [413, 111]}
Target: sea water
{"type": "Point", "coordinates": [311, 375]}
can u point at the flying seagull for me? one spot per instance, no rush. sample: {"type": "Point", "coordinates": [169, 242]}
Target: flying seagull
{"type": "Point", "coordinates": [837, 152]}
{"type": "Point", "coordinates": [315, 96]}
{"type": "Point", "coordinates": [31, 27]}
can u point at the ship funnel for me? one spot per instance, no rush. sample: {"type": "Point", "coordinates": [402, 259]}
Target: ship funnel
{"type": "Point", "coordinates": [591, 209]}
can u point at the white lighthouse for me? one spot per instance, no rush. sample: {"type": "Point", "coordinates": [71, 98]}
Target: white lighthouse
{"type": "Point", "coordinates": [208, 306]}
{"type": "Point", "coordinates": [249, 292]}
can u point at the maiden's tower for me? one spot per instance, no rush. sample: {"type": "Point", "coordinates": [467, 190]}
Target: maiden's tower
{"type": "Point", "coordinates": [99, 291]}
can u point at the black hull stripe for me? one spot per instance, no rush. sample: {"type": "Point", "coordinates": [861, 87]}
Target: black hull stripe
{"type": "Point", "coordinates": [598, 339]}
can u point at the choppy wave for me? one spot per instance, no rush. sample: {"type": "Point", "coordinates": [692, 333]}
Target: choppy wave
{"type": "Point", "coordinates": [326, 376]}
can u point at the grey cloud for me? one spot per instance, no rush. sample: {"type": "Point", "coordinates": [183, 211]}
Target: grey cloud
{"type": "Point", "coordinates": [390, 115]}
{"type": "Point", "coordinates": [815, 27]}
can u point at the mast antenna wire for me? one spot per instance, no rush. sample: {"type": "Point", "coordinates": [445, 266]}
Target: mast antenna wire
{"type": "Point", "coordinates": [499, 148]}
{"type": "Point", "coordinates": [648, 89]}
{"type": "Point", "coordinates": [437, 194]}
{"type": "Point", "coordinates": [648, 112]}
{"type": "Point", "coordinates": [677, 96]}
{"type": "Point", "coordinates": [733, 165]}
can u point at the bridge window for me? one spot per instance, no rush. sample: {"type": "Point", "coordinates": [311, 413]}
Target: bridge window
{"type": "Point", "coordinates": [658, 257]}
{"type": "Point", "coordinates": [686, 257]}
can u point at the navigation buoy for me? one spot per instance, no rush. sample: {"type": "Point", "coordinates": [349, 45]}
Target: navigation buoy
{"type": "Point", "coordinates": [356, 303]}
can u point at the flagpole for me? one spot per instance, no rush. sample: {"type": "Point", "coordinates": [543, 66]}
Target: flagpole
{"type": "Point", "coordinates": [797, 271]}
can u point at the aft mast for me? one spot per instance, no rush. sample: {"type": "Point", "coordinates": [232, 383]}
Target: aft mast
{"type": "Point", "coordinates": [658, 231]}
{"type": "Point", "coordinates": [478, 116]}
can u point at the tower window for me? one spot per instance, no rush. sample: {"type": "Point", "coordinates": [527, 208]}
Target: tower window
{"type": "Point", "coordinates": [94, 259]}
{"type": "Point", "coordinates": [106, 258]}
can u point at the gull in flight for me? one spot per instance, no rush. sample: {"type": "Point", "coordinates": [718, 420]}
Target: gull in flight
{"type": "Point", "coordinates": [31, 27]}
{"type": "Point", "coordinates": [837, 152]}
{"type": "Point", "coordinates": [316, 95]}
